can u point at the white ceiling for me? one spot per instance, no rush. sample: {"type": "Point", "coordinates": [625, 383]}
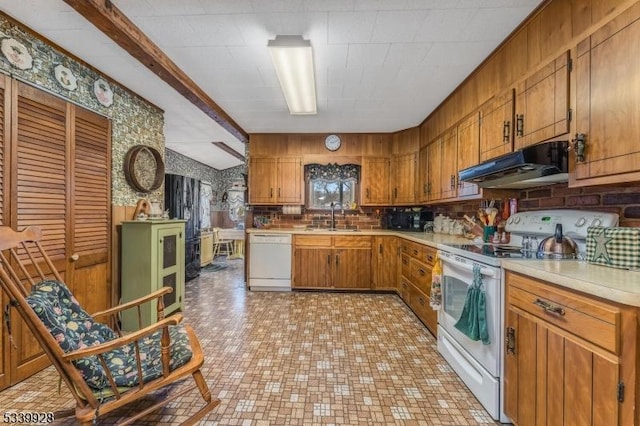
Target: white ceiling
{"type": "Point", "coordinates": [381, 65]}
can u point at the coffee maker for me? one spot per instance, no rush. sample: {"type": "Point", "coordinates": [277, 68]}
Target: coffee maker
{"type": "Point", "coordinates": [407, 219]}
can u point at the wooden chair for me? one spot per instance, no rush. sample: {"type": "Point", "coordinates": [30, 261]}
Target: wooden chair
{"type": "Point", "coordinates": [221, 246]}
{"type": "Point", "coordinates": [86, 352]}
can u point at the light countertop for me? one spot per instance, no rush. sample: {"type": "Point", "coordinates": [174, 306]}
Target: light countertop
{"type": "Point", "coordinates": [430, 239]}
{"type": "Point", "coordinates": [617, 285]}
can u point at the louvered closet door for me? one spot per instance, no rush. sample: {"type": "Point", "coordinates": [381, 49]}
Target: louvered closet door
{"type": "Point", "coordinates": [40, 146]}
{"type": "Point", "coordinates": [91, 195]}
{"type": "Point", "coordinates": [60, 181]}
{"type": "Point", "coordinates": [39, 175]}
{"type": "Point", "coordinates": [5, 98]}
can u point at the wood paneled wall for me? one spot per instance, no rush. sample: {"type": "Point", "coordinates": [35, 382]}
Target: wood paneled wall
{"type": "Point", "coordinates": [310, 146]}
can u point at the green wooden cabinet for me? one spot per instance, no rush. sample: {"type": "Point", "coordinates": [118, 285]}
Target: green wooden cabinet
{"type": "Point", "coordinates": [152, 258]}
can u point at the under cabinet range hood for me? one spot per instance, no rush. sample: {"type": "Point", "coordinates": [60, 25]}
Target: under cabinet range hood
{"type": "Point", "coordinates": [536, 165]}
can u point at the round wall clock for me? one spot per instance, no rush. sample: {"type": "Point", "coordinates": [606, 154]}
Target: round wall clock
{"type": "Point", "coordinates": [332, 142]}
{"type": "Point", "coordinates": [144, 168]}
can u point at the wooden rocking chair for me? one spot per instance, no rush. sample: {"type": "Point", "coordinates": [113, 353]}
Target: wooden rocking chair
{"type": "Point", "coordinates": [104, 369]}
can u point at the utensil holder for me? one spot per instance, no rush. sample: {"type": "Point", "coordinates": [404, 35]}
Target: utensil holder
{"type": "Point", "coordinates": [487, 233]}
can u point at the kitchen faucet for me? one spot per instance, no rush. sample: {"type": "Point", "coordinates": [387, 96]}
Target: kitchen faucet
{"type": "Point", "coordinates": [333, 214]}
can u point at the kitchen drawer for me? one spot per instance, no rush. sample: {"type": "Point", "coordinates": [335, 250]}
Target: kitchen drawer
{"type": "Point", "coordinates": [429, 254]}
{"type": "Point", "coordinates": [419, 303]}
{"type": "Point", "coordinates": [406, 266]}
{"type": "Point", "coordinates": [592, 320]}
{"type": "Point", "coordinates": [313, 240]}
{"type": "Point", "coordinates": [405, 290]}
{"type": "Point", "coordinates": [420, 275]}
{"type": "Point", "coordinates": [413, 249]}
{"type": "Point", "coordinates": [347, 241]}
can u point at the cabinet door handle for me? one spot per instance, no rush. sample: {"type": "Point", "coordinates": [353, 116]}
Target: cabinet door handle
{"type": "Point", "coordinates": [337, 260]}
{"type": "Point", "coordinates": [452, 181]}
{"type": "Point", "coordinates": [520, 125]}
{"type": "Point", "coordinates": [75, 257]}
{"type": "Point", "coordinates": [278, 192]}
{"type": "Point", "coordinates": [430, 258]}
{"type": "Point", "coordinates": [510, 341]}
{"type": "Point", "coordinates": [422, 272]}
{"type": "Point", "coordinates": [421, 300]}
{"type": "Point", "coordinates": [328, 259]}
{"type": "Point", "coordinates": [549, 307]}
{"type": "Point", "coordinates": [506, 130]}
{"type": "Point", "coordinates": [368, 193]}
{"type": "Point", "coordinates": [415, 252]}
{"type": "Point", "coordinates": [270, 192]}
{"type": "Point", "coordinates": [380, 249]}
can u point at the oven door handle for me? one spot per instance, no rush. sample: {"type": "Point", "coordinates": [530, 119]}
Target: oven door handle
{"type": "Point", "coordinates": [484, 271]}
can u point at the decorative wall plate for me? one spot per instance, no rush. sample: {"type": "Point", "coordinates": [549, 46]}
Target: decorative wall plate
{"type": "Point", "coordinates": [144, 168]}
{"type": "Point", "coordinates": [103, 92]}
{"type": "Point", "coordinates": [65, 77]}
{"type": "Point", "coordinates": [16, 53]}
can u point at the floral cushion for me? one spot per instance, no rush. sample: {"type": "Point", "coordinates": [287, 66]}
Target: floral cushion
{"type": "Point", "coordinates": [74, 329]}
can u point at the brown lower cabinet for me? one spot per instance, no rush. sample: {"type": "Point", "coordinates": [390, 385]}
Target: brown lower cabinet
{"type": "Point", "coordinates": [386, 255]}
{"type": "Point", "coordinates": [415, 282]}
{"type": "Point", "coordinates": [570, 359]}
{"type": "Point", "coordinates": [331, 262]}
{"type": "Point", "coordinates": [347, 262]}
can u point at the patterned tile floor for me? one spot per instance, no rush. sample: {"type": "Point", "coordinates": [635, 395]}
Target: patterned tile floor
{"type": "Point", "coordinates": [301, 359]}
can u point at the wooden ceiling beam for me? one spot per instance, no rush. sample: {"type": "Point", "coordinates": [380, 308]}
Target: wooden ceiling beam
{"type": "Point", "coordinates": [111, 21]}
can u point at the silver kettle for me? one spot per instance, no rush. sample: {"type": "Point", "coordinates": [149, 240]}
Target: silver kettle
{"type": "Point", "coordinates": [557, 246]}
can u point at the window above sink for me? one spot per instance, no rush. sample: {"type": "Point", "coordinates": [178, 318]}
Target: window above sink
{"type": "Point", "coordinates": [331, 183]}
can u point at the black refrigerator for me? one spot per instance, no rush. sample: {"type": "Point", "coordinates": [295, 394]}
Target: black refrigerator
{"type": "Point", "coordinates": [182, 199]}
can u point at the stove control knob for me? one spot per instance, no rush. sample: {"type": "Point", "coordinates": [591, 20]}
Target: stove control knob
{"type": "Point", "coordinates": [596, 222]}
{"type": "Point", "coordinates": [581, 222]}
{"type": "Point", "coordinates": [510, 220]}
{"type": "Point", "coordinates": [517, 220]}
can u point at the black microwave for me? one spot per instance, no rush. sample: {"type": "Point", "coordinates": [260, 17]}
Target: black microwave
{"type": "Point", "coordinates": [407, 220]}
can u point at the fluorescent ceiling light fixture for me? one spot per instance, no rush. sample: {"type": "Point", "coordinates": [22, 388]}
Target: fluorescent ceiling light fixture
{"type": "Point", "coordinates": [293, 58]}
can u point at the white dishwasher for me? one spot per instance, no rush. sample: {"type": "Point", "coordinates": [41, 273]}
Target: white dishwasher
{"type": "Point", "coordinates": [270, 262]}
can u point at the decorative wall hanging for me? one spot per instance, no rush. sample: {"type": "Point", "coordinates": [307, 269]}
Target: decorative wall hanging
{"type": "Point", "coordinates": [16, 53]}
{"type": "Point", "coordinates": [205, 205]}
{"type": "Point", "coordinates": [65, 77]}
{"type": "Point", "coordinates": [144, 168]}
{"type": "Point", "coordinates": [103, 92]}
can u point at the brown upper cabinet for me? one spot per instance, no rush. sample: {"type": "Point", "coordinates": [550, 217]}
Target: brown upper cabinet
{"type": "Point", "coordinates": [404, 166]}
{"type": "Point", "coordinates": [542, 104]}
{"type": "Point", "coordinates": [456, 149]}
{"type": "Point", "coordinates": [496, 126]}
{"type": "Point", "coordinates": [275, 180]}
{"type": "Point", "coordinates": [607, 107]}
{"type": "Point", "coordinates": [404, 177]}
{"type": "Point", "coordinates": [374, 187]}
{"type": "Point", "coordinates": [468, 152]}
{"type": "Point", "coordinates": [422, 186]}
